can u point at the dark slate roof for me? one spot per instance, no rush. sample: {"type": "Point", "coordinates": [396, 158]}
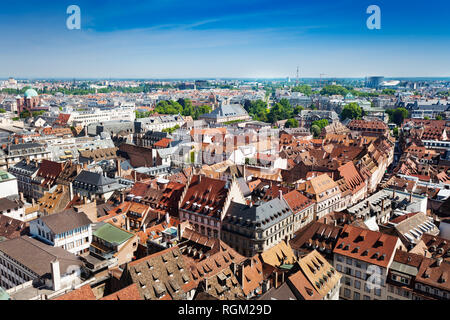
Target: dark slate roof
{"type": "Point", "coordinates": [6, 204]}
{"type": "Point", "coordinates": [37, 256]}
{"type": "Point", "coordinates": [228, 110]}
{"type": "Point", "coordinates": [93, 178]}
{"type": "Point", "coordinates": [25, 146]}
{"type": "Point", "coordinates": [268, 213]}
{"type": "Point", "coordinates": [66, 221]}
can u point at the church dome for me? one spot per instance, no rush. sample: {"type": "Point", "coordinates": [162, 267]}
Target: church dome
{"type": "Point", "coordinates": [30, 93]}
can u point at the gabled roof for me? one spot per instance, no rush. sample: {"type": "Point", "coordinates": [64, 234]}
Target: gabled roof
{"type": "Point", "coordinates": [93, 178]}
{"type": "Point", "coordinates": [369, 246]}
{"type": "Point", "coordinates": [80, 294]}
{"type": "Point", "coordinates": [65, 221]}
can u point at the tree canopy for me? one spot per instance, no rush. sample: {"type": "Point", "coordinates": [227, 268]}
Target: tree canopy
{"type": "Point", "coordinates": [305, 89]}
{"type": "Point", "coordinates": [292, 123]}
{"type": "Point", "coordinates": [398, 115]}
{"type": "Point", "coordinates": [351, 111]}
{"type": "Point", "coordinates": [321, 123]}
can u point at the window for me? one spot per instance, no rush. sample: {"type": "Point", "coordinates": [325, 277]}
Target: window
{"type": "Point", "coordinates": [347, 293]}
{"type": "Point", "coordinates": [378, 292]}
{"type": "Point", "coordinates": [356, 296]}
{"type": "Point", "coordinates": [349, 261]}
{"type": "Point", "coordinates": [366, 298]}
{"type": "Point", "coordinates": [339, 267]}
{"type": "Point", "coordinates": [358, 274]}
{"type": "Point", "coordinates": [357, 284]}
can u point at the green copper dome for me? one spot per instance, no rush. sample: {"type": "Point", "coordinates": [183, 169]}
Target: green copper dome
{"type": "Point", "coordinates": [30, 93]}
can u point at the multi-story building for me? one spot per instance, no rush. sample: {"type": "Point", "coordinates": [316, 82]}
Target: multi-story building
{"type": "Point", "coordinates": [158, 123]}
{"type": "Point", "coordinates": [8, 185]}
{"type": "Point", "coordinates": [226, 113]}
{"type": "Point", "coordinates": [415, 277]}
{"type": "Point", "coordinates": [325, 192]}
{"type": "Point", "coordinates": [369, 128]}
{"type": "Point", "coordinates": [383, 204]}
{"type": "Point", "coordinates": [12, 208]}
{"type": "Point", "coordinates": [302, 207]}
{"type": "Point", "coordinates": [364, 258]}
{"type": "Point", "coordinates": [253, 229]}
{"type": "Point", "coordinates": [316, 279]}
{"type": "Point", "coordinates": [26, 260]}
{"type": "Point", "coordinates": [25, 171]}
{"type": "Point", "coordinates": [205, 202]}
{"type": "Point", "coordinates": [69, 230]}
{"type": "Point", "coordinates": [95, 185]}
{"type": "Point", "coordinates": [30, 151]}
{"type": "Point", "coordinates": [112, 244]}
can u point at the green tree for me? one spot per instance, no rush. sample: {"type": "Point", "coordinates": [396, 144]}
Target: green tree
{"type": "Point", "coordinates": [292, 123]}
{"type": "Point", "coordinates": [2, 110]}
{"type": "Point", "coordinates": [320, 123]}
{"type": "Point", "coordinates": [169, 107]}
{"type": "Point", "coordinates": [395, 132]}
{"type": "Point", "coordinates": [398, 115]}
{"type": "Point", "coordinates": [390, 92]}
{"type": "Point", "coordinates": [439, 117]}
{"type": "Point", "coordinates": [351, 111]}
{"type": "Point", "coordinates": [315, 130]}
{"type": "Point", "coordinates": [334, 90]}
{"type": "Point", "coordinates": [305, 89]}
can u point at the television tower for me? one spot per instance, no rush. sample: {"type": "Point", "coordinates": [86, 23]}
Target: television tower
{"type": "Point", "coordinates": [298, 72]}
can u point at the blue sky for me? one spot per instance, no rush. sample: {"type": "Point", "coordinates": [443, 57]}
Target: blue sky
{"type": "Point", "coordinates": [254, 38]}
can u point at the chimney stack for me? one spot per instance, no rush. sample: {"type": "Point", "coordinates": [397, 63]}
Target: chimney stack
{"type": "Point", "coordinates": [179, 232]}
{"type": "Point", "coordinates": [56, 275]}
{"type": "Point", "coordinates": [71, 191]}
{"type": "Point", "coordinates": [281, 195]}
{"type": "Point", "coordinates": [119, 168]}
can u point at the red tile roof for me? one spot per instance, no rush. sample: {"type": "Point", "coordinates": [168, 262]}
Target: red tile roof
{"type": "Point", "coordinates": [83, 293]}
{"type": "Point", "coordinates": [205, 192]}
{"type": "Point", "coordinates": [128, 293]}
{"type": "Point", "coordinates": [297, 201]}
{"type": "Point", "coordinates": [369, 246]}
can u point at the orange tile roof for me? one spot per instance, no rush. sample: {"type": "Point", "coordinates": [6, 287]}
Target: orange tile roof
{"type": "Point", "coordinates": [128, 293]}
{"type": "Point", "coordinates": [83, 293]}
{"type": "Point", "coordinates": [369, 246]}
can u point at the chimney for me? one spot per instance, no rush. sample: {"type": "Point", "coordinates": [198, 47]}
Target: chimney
{"type": "Point", "coordinates": [439, 261]}
{"type": "Point", "coordinates": [179, 232]}
{"type": "Point", "coordinates": [410, 196]}
{"type": "Point", "coordinates": [281, 195]}
{"type": "Point", "coordinates": [128, 223]}
{"type": "Point", "coordinates": [122, 197]}
{"type": "Point", "coordinates": [71, 191]}
{"type": "Point", "coordinates": [119, 168]}
{"type": "Point", "coordinates": [22, 198]}
{"type": "Point", "coordinates": [56, 275]}
{"type": "Point", "coordinates": [85, 165]}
